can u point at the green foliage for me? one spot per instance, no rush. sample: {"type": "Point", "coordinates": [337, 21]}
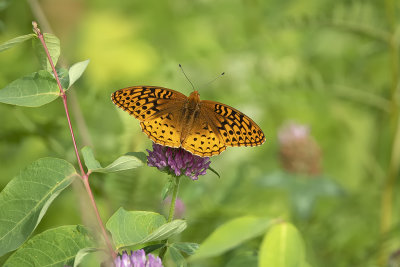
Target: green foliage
{"type": "Point", "coordinates": [54, 247]}
{"type": "Point", "coordinates": [303, 190]}
{"type": "Point", "coordinates": [126, 162]}
{"type": "Point", "coordinates": [177, 257]}
{"type": "Point", "coordinates": [30, 193]}
{"type": "Point", "coordinates": [130, 228]}
{"type": "Point", "coordinates": [230, 235]}
{"type": "Point", "coordinates": [33, 90]}
{"type": "Point", "coordinates": [17, 40]}
{"type": "Point", "coordinates": [187, 248]}
{"type": "Point", "coordinates": [83, 253]}
{"type": "Point", "coordinates": [76, 71]}
{"type": "Point", "coordinates": [53, 45]}
{"type": "Point", "coordinates": [282, 247]}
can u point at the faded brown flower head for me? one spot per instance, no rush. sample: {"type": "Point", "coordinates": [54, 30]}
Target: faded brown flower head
{"type": "Point", "coordinates": [299, 152]}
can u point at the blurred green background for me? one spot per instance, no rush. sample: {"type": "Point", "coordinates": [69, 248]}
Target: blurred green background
{"type": "Point", "coordinates": [330, 65]}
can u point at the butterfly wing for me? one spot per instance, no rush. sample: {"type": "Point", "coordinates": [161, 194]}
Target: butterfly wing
{"type": "Point", "coordinates": [203, 138]}
{"type": "Point", "coordinates": [148, 102]}
{"type": "Point", "coordinates": [156, 108]}
{"type": "Point", "coordinates": [232, 126]}
{"type": "Point", "coordinates": [163, 130]}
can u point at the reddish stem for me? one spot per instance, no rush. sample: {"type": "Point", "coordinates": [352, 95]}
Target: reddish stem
{"type": "Point", "coordinates": [84, 175]}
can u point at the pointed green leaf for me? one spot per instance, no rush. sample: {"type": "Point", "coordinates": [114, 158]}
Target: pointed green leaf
{"type": "Point", "coordinates": [177, 257]}
{"type": "Point", "coordinates": [26, 198]}
{"type": "Point", "coordinates": [90, 162]}
{"type": "Point", "coordinates": [53, 45]}
{"type": "Point", "coordinates": [54, 247]}
{"type": "Point", "coordinates": [230, 235]}
{"type": "Point", "coordinates": [188, 248]}
{"type": "Point", "coordinates": [165, 231]}
{"type": "Point", "coordinates": [167, 188]}
{"type": "Point", "coordinates": [76, 70]}
{"type": "Point", "coordinates": [214, 171]}
{"type": "Point", "coordinates": [126, 162]}
{"type": "Point", "coordinates": [123, 163]}
{"type": "Point", "coordinates": [247, 258]}
{"type": "Point", "coordinates": [282, 247]}
{"type": "Point", "coordinates": [82, 253]}
{"type": "Point", "coordinates": [63, 75]}
{"type": "Point", "coordinates": [130, 228]}
{"type": "Point", "coordinates": [33, 90]}
{"type": "Point", "coordinates": [17, 40]}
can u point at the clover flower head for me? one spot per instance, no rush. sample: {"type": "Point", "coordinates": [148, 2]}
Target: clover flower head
{"type": "Point", "coordinates": [137, 259]}
{"type": "Point", "coordinates": [299, 152]}
{"type": "Point", "coordinates": [177, 161]}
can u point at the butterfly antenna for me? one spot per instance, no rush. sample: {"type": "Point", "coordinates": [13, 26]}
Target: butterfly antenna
{"type": "Point", "coordinates": [216, 78]}
{"type": "Point", "coordinates": [180, 66]}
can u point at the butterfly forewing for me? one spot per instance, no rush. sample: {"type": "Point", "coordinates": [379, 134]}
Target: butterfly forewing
{"type": "Point", "coordinates": [234, 128]}
{"type": "Point", "coordinates": [148, 102]}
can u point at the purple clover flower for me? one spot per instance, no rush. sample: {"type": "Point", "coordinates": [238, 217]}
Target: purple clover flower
{"type": "Point", "coordinates": [177, 161]}
{"type": "Point", "coordinates": [137, 259]}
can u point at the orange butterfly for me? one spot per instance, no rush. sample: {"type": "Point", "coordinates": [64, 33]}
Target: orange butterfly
{"type": "Point", "coordinates": [202, 127]}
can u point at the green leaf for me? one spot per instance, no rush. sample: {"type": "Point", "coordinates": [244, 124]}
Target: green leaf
{"type": "Point", "coordinates": [167, 188]}
{"type": "Point", "coordinates": [33, 90]}
{"type": "Point", "coordinates": [90, 162]}
{"type": "Point", "coordinates": [230, 235]}
{"type": "Point", "coordinates": [54, 247]}
{"type": "Point", "coordinates": [123, 163]}
{"type": "Point", "coordinates": [26, 198]}
{"type": "Point", "coordinates": [214, 171]}
{"type": "Point", "coordinates": [165, 231]}
{"type": "Point", "coordinates": [177, 257]}
{"type": "Point", "coordinates": [53, 45]}
{"type": "Point", "coordinates": [126, 162]}
{"type": "Point", "coordinates": [63, 75]}
{"type": "Point", "coordinates": [17, 40]}
{"type": "Point", "coordinates": [130, 228]}
{"type": "Point", "coordinates": [76, 70]}
{"type": "Point", "coordinates": [248, 259]}
{"type": "Point", "coordinates": [282, 246]}
{"type": "Point", "coordinates": [140, 155]}
{"type": "Point", "coordinates": [82, 253]}
{"type": "Point", "coordinates": [151, 248]}
{"type": "Point", "coordinates": [188, 248]}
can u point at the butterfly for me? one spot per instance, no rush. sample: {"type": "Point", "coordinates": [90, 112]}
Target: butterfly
{"type": "Point", "coordinates": [202, 127]}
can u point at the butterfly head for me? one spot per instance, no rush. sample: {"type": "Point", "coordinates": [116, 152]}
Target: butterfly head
{"type": "Point", "coordinates": [194, 97]}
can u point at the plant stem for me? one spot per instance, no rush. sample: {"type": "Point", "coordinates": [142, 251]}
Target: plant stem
{"type": "Point", "coordinates": [171, 213]}
{"type": "Point", "coordinates": [173, 200]}
{"type": "Point", "coordinates": [103, 230]}
{"type": "Point", "coordinates": [394, 164]}
{"type": "Point", "coordinates": [84, 175]}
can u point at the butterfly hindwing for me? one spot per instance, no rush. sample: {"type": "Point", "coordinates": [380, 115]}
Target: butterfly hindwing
{"type": "Point", "coordinates": [203, 140]}
{"type": "Point", "coordinates": [234, 128]}
{"type": "Point", "coordinates": [163, 130]}
{"type": "Point", "coordinates": [147, 102]}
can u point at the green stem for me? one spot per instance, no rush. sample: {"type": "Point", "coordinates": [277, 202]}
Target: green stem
{"type": "Point", "coordinates": [171, 213]}
{"type": "Point", "coordinates": [173, 200]}
{"type": "Point", "coordinates": [393, 170]}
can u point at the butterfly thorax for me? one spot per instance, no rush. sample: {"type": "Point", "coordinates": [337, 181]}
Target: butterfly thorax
{"type": "Point", "coordinates": [190, 111]}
